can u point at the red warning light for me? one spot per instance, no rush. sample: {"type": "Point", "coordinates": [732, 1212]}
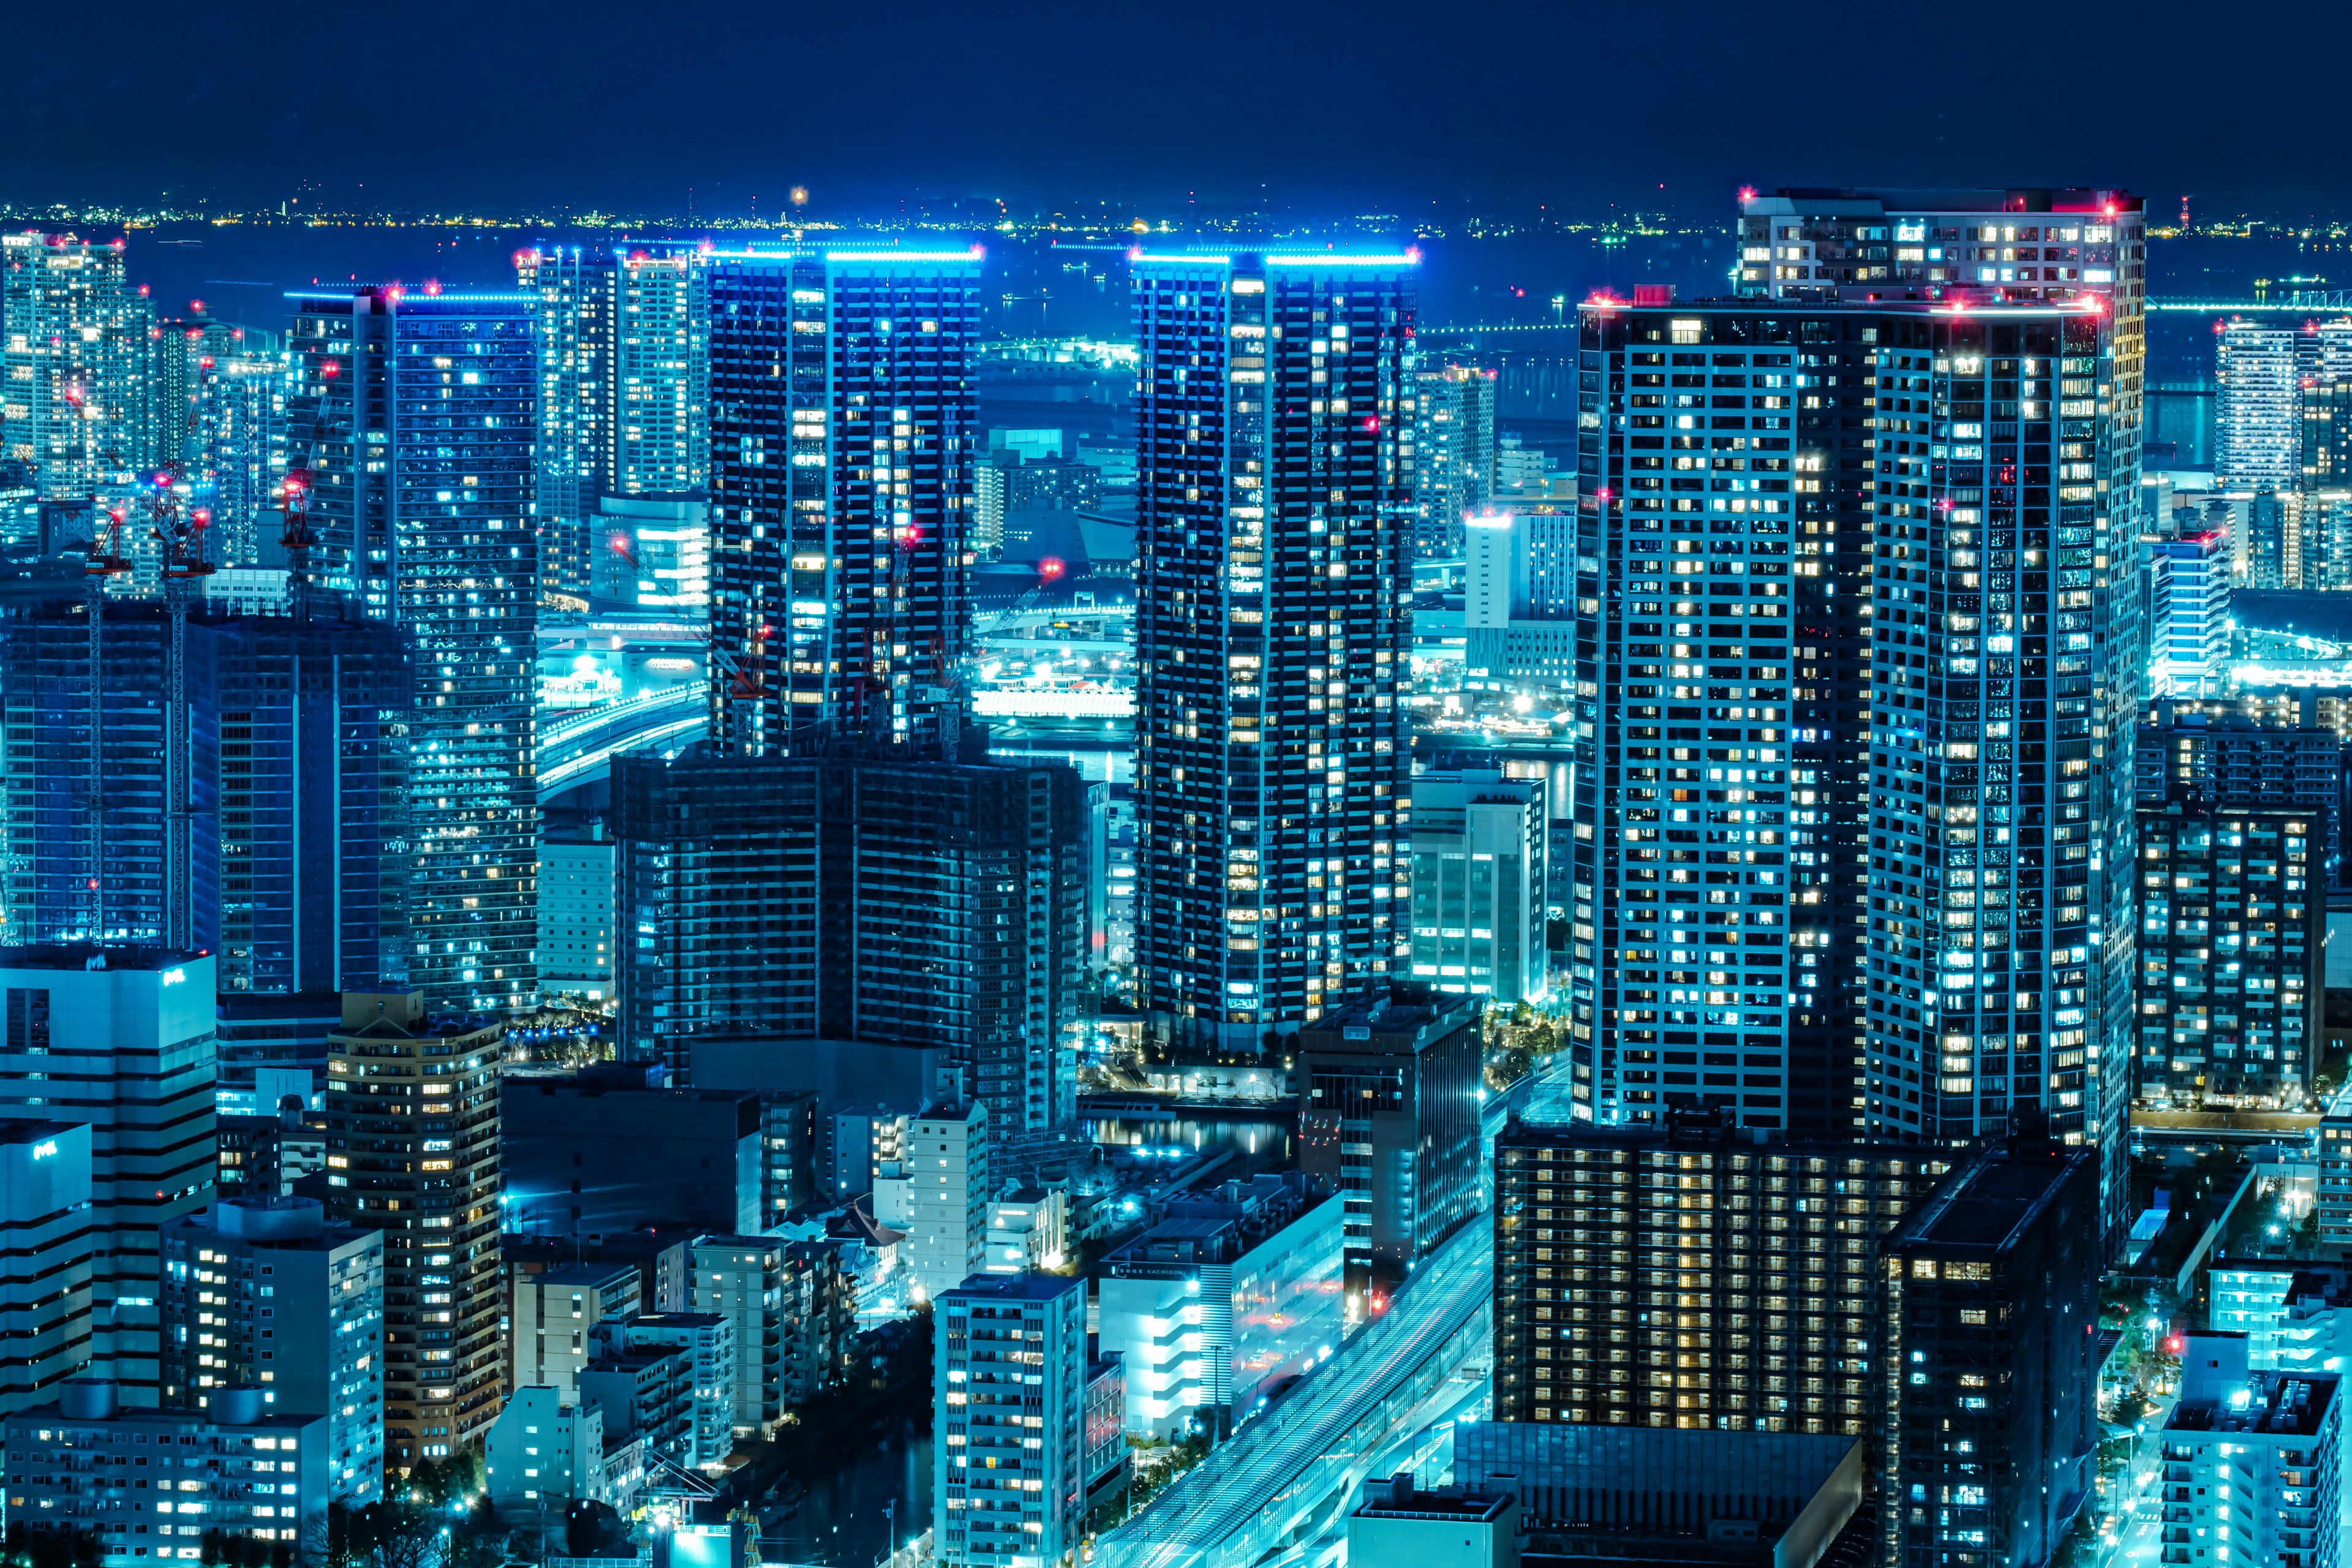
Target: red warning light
{"type": "Point", "coordinates": [1051, 567]}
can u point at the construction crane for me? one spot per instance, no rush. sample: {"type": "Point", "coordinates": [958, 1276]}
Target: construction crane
{"type": "Point", "coordinates": [297, 539]}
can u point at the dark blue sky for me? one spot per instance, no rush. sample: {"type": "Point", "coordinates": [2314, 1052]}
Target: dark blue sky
{"type": "Point", "coordinates": [1308, 107]}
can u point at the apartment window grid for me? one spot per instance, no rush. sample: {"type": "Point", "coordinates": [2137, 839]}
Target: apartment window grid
{"type": "Point", "coordinates": [1667, 1286]}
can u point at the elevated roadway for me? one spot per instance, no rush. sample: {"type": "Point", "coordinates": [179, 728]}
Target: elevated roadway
{"type": "Point", "coordinates": [580, 747]}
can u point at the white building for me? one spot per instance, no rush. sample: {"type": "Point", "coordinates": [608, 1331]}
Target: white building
{"type": "Point", "coordinates": [250, 590]}
{"type": "Point", "coordinates": [652, 552]}
{"type": "Point", "coordinates": [238, 1468]}
{"type": "Point", "coordinates": [543, 1454]}
{"type": "Point", "coordinates": [49, 1233]}
{"type": "Point", "coordinates": [1028, 1231]}
{"type": "Point", "coordinates": [1232, 1292]}
{"type": "Point", "coordinates": [742, 1278]}
{"type": "Point", "coordinates": [2258, 416]}
{"type": "Point", "coordinates": [668, 1379]}
{"type": "Point", "coordinates": [263, 1292]}
{"type": "Point", "coordinates": [2251, 1463]}
{"type": "Point", "coordinates": [946, 1168]}
{"type": "Point", "coordinates": [553, 1314]}
{"type": "Point", "coordinates": [1478, 884]}
{"type": "Point", "coordinates": [575, 915]}
{"type": "Point", "coordinates": [134, 1028]}
{"type": "Point", "coordinates": [1009, 1405]}
{"type": "Point", "coordinates": [1398, 1527]}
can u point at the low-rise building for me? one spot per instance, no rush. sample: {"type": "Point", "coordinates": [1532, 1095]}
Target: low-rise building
{"type": "Point", "coordinates": [1450, 1527]}
{"type": "Point", "coordinates": [146, 1483]}
{"type": "Point", "coordinates": [544, 1454]}
{"type": "Point", "coordinates": [554, 1311]}
{"type": "Point", "coordinates": [1028, 1231]}
{"type": "Point", "coordinates": [668, 1378]}
{"type": "Point", "coordinates": [1233, 1292]}
{"type": "Point", "coordinates": [2252, 1462]}
{"type": "Point", "coordinates": [263, 1292]}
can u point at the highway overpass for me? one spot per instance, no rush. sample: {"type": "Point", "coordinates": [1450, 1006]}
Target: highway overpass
{"type": "Point", "coordinates": [579, 748]}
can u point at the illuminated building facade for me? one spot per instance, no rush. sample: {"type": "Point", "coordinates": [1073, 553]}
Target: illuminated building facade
{"type": "Point", "coordinates": [1991, 1364]}
{"type": "Point", "coordinates": [1011, 1485]}
{"type": "Point", "coordinates": [2018, 245]}
{"type": "Point", "coordinates": [2189, 643]}
{"type": "Point", "coordinates": [1682, 1274]}
{"type": "Point", "coordinates": [77, 349]}
{"type": "Point", "coordinates": [414, 414]}
{"type": "Point", "coordinates": [842, 497]}
{"type": "Point", "coordinates": [413, 1152]}
{"type": "Point", "coordinates": [2232, 925]}
{"type": "Point", "coordinates": [623, 352]}
{"type": "Point", "coordinates": [2258, 418]}
{"type": "Point", "coordinates": [1273, 535]}
{"type": "Point", "coordinates": [1454, 455]}
{"type": "Point", "coordinates": [1952, 628]}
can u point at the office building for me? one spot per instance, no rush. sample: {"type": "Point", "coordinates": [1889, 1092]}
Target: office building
{"type": "Point", "coordinates": [1674, 1494]}
{"type": "Point", "coordinates": [48, 1240]}
{"type": "Point", "coordinates": [1762, 1315]}
{"type": "Point", "coordinates": [413, 1151]}
{"type": "Point", "coordinates": [945, 1170]}
{"type": "Point", "coordinates": [1479, 884]}
{"type": "Point", "coordinates": [2258, 418]}
{"type": "Point", "coordinates": [551, 1313]}
{"type": "Point", "coordinates": [545, 1452]}
{"type": "Point", "coordinates": [272, 1047]}
{"type": "Point", "coordinates": [262, 1292]}
{"type": "Point", "coordinates": [1388, 1118]}
{"type": "Point", "coordinates": [2188, 645]}
{"type": "Point", "coordinates": [235, 457]}
{"type": "Point", "coordinates": [79, 365]}
{"type": "Point", "coordinates": [412, 421]}
{"type": "Point", "coordinates": [1107, 1466]}
{"type": "Point", "coordinates": [2253, 1460]}
{"type": "Point", "coordinates": [2231, 934]}
{"type": "Point", "coordinates": [1274, 514]}
{"type": "Point", "coordinates": [221, 1463]}
{"type": "Point", "coordinates": [1010, 1389]}
{"type": "Point", "coordinates": [859, 897]}
{"type": "Point", "coordinates": [841, 436]}
{"type": "Point", "coordinates": [651, 553]}
{"type": "Point", "coordinates": [119, 1039]}
{"type": "Point", "coordinates": [1993, 1298]}
{"type": "Point", "coordinates": [1232, 1292]}
{"type": "Point", "coordinates": [1454, 455]}
{"type": "Point", "coordinates": [284, 859]}
{"type": "Point", "coordinates": [576, 945]}
{"type": "Point", "coordinates": [666, 1379]}
{"type": "Point", "coordinates": [663, 1281]}
{"type": "Point", "coordinates": [596, 1151]}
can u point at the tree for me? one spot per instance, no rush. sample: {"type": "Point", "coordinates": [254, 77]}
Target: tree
{"type": "Point", "coordinates": [592, 1528]}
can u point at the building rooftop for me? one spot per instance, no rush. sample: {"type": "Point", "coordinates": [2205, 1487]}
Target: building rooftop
{"type": "Point", "coordinates": [1705, 1129]}
{"type": "Point", "coordinates": [1220, 1224]}
{"type": "Point", "coordinates": [1017, 1287]}
{"type": "Point", "coordinates": [1396, 1498]}
{"type": "Point", "coordinates": [95, 956]}
{"type": "Point", "coordinates": [1391, 1016]}
{"type": "Point", "coordinates": [2277, 1404]}
{"type": "Point", "coordinates": [1837, 202]}
{"type": "Point", "coordinates": [33, 1131]}
{"type": "Point", "coordinates": [1990, 1203]}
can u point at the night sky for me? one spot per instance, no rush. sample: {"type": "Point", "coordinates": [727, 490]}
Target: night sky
{"type": "Point", "coordinates": [1309, 108]}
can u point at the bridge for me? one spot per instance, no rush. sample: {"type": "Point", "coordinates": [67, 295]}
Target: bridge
{"type": "Point", "coordinates": [580, 747]}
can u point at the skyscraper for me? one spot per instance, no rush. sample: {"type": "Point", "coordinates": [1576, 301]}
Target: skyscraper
{"type": "Point", "coordinates": [1273, 535]}
{"type": "Point", "coordinates": [412, 417]}
{"type": "Point", "coordinates": [1962, 631]}
{"type": "Point", "coordinates": [851, 897]}
{"type": "Point", "coordinates": [79, 362]}
{"type": "Point", "coordinates": [1889, 244]}
{"type": "Point", "coordinates": [1453, 454]}
{"type": "Point", "coordinates": [842, 496]}
{"type": "Point", "coordinates": [2258, 418]}
{"type": "Point", "coordinates": [292, 867]}
{"type": "Point", "coordinates": [622, 344]}
{"type": "Point", "coordinates": [413, 1152]}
